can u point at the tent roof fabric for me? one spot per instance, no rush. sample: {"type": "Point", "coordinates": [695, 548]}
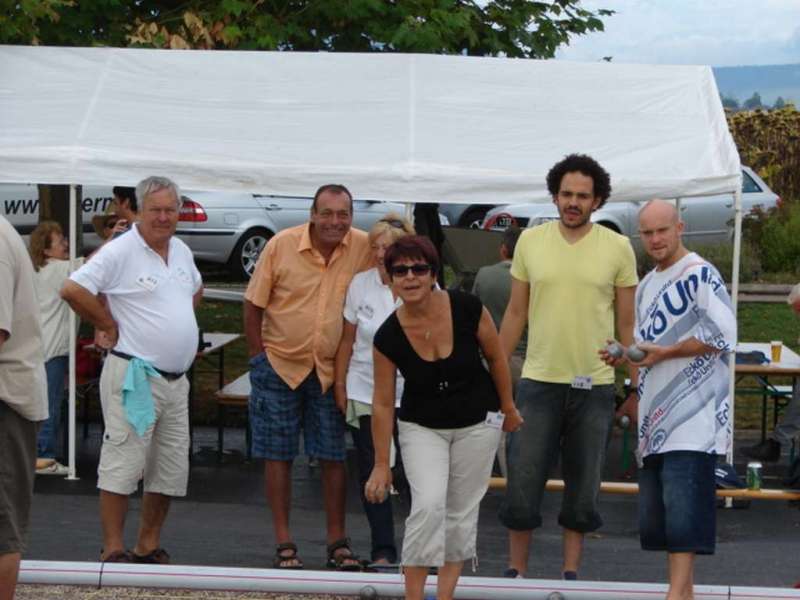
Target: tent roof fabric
{"type": "Point", "coordinates": [410, 128]}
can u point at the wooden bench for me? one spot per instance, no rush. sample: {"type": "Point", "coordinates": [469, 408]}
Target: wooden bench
{"type": "Point", "coordinates": [235, 395]}
{"type": "Point", "coordinates": [615, 487]}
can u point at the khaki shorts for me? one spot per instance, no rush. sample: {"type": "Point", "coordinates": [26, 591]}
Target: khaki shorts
{"type": "Point", "coordinates": [161, 455]}
{"type": "Point", "coordinates": [17, 471]}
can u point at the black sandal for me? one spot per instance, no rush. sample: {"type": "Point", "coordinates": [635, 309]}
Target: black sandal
{"type": "Point", "coordinates": [286, 553]}
{"type": "Point", "coordinates": [343, 561]}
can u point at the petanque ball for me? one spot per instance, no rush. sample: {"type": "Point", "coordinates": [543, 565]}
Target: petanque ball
{"type": "Point", "coordinates": [635, 353]}
{"type": "Point", "coordinates": [615, 350]}
{"type": "Point", "coordinates": [624, 422]}
{"type": "Point", "coordinates": [368, 593]}
{"type": "Point", "coordinates": [555, 596]}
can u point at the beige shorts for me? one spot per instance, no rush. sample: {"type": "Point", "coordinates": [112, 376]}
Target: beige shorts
{"type": "Point", "coordinates": [448, 471]}
{"type": "Point", "coordinates": [161, 455]}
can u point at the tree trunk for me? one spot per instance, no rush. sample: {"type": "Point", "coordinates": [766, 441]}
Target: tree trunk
{"type": "Point", "coordinates": [54, 206]}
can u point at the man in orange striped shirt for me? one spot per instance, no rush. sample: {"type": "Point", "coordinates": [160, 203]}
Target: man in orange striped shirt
{"type": "Point", "coordinates": [293, 322]}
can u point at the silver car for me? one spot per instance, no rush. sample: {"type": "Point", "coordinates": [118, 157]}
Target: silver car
{"type": "Point", "coordinates": [220, 227]}
{"type": "Point", "coordinates": [233, 227]}
{"type": "Point", "coordinates": [708, 219]}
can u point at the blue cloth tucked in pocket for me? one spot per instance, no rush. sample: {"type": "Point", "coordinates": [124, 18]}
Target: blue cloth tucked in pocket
{"type": "Point", "coordinates": [137, 398]}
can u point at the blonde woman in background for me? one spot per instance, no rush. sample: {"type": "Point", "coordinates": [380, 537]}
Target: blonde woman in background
{"type": "Point", "coordinates": [369, 301]}
{"type": "Point", "coordinates": [50, 253]}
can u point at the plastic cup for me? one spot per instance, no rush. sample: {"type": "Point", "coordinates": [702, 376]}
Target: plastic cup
{"type": "Point", "coordinates": [775, 348]}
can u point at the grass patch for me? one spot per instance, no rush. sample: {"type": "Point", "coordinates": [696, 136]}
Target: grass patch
{"type": "Point", "coordinates": [757, 323]}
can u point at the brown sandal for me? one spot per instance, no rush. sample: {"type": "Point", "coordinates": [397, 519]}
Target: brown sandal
{"type": "Point", "coordinates": [343, 561]}
{"type": "Point", "coordinates": [284, 554]}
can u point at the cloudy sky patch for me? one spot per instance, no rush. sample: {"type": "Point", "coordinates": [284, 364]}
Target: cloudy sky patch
{"type": "Point", "coordinates": [707, 32]}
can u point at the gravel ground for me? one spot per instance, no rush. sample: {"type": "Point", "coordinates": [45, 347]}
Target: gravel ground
{"type": "Point", "coordinates": [46, 592]}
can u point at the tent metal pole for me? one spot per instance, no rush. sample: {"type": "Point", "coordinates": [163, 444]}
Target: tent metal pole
{"type": "Point", "coordinates": [73, 224]}
{"type": "Point", "coordinates": [737, 251]}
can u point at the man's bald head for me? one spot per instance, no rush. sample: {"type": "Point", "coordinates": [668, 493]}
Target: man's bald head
{"type": "Point", "coordinates": [660, 229]}
{"type": "Point", "coordinates": [660, 210]}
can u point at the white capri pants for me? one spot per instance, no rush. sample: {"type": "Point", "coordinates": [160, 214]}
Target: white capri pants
{"type": "Point", "coordinates": [448, 471]}
{"type": "Point", "coordinates": [161, 455]}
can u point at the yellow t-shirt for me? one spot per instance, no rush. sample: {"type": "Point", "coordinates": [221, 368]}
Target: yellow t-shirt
{"type": "Point", "coordinates": [571, 308]}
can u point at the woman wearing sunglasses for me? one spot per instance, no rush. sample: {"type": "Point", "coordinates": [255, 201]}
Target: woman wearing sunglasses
{"type": "Point", "coordinates": [368, 302]}
{"type": "Point", "coordinates": [450, 417]}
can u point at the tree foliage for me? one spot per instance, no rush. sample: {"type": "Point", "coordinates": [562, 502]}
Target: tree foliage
{"type": "Point", "coordinates": [753, 102]}
{"type": "Point", "coordinates": [769, 142]}
{"type": "Point", "coordinates": [514, 28]}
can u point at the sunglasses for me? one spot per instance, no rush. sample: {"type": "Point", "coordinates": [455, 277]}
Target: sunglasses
{"type": "Point", "coordinates": [402, 270]}
{"type": "Point", "coordinates": [396, 223]}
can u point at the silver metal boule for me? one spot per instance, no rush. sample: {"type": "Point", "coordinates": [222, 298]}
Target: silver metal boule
{"type": "Point", "coordinates": [615, 350]}
{"type": "Point", "coordinates": [635, 353]}
{"type": "Point", "coordinates": [368, 593]}
{"type": "Point", "coordinates": [624, 422]}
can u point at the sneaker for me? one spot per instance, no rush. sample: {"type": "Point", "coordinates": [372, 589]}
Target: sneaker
{"type": "Point", "coordinates": [769, 450]}
{"type": "Point", "coordinates": [54, 468]}
{"type": "Point", "coordinates": [511, 573]}
{"type": "Point", "coordinates": [569, 576]}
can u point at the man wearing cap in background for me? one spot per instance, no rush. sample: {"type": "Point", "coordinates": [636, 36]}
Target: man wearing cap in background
{"type": "Point", "coordinates": [152, 286]}
{"type": "Point", "coordinates": [125, 205]}
{"type": "Point", "coordinates": [686, 326]}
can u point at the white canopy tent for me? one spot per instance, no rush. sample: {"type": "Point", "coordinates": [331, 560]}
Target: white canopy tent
{"type": "Point", "coordinates": [409, 128]}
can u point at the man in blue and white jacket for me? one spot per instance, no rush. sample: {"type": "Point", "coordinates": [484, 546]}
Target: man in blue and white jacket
{"type": "Point", "coordinates": [686, 324]}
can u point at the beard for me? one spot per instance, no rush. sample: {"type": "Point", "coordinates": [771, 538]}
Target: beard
{"type": "Point", "coordinates": [582, 219]}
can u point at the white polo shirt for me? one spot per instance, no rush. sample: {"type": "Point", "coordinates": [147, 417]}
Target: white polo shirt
{"type": "Point", "coordinates": [151, 301]}
{"type": "Point", "coordinates": [368, 304]}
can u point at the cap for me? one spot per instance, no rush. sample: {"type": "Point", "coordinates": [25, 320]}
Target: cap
{"type": "Point", "coordinates": [727, 478]}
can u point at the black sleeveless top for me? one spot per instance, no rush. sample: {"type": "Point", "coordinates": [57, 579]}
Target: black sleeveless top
{"type": "Point", "coordinates": [448, 393]}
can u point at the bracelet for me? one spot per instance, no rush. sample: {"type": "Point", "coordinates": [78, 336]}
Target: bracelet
{"type": "Point", "coordinates": [337, 383]}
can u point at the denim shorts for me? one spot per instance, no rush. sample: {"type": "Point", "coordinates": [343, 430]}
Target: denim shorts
{"type": "Point", "coordinates": [278, 413]}
{"type": "Point", "coordinates": [678, 502]}
{"type": "Point", "coordinates": [559, 419]}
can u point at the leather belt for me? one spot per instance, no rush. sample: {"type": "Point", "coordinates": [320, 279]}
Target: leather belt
{"type": "Point", "coordinates": [165, 374]}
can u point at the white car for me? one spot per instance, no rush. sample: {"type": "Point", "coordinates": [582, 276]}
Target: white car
{"type": "Point", "coordinates": [221, 227]}
{"type": "Point", "coordinates": [708, 219]}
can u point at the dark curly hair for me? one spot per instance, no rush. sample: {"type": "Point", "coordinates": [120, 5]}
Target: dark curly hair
{"type": "Point", "coordinates": [581, 163]}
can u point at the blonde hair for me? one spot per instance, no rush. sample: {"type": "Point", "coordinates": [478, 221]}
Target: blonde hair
{"type": "Point", "coordinates": [392, 224]}
{"type": "Point", "coordinates": [41, 238]}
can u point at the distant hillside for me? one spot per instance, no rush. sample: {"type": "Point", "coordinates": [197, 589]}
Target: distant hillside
{"type": "Point", "coordinates": [770, 81]}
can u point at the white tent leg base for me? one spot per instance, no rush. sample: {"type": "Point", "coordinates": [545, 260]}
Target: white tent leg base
{"type": "Point", "coordinates": [336, 583]}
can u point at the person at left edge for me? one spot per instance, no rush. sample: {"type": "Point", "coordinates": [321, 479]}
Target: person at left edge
{"type": "Point", "coordinates": [151, 286]}
{"type": "Point", "coordinates": [23, 400]}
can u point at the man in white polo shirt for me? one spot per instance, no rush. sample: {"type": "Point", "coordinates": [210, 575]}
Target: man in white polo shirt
{"type": "Point", "coordinates": [151, 287]}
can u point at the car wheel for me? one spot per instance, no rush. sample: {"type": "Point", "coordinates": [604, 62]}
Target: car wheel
{"type": "Point", "coordinates": [248, 249]}
{"type": "Point", "coordinates": [473, 217]}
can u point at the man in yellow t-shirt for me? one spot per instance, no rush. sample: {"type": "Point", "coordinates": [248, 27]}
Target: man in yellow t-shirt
{"type": "Point", "coordinates": [571, 281]}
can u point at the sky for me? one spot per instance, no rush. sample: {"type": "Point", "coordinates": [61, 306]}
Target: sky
{"type": "Point", "coordinates": [719, 33]}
